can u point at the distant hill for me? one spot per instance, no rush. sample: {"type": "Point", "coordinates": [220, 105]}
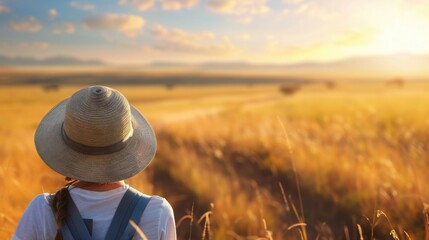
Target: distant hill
{"type": "Point", "coordinates": [52, 61]}
{"type": "Point", "coordinates": [365, 62]}
{"type": "Point", "coordinates": [369, 68]}
{"type": "Point", "coordinates": [390, 62]}
{"type": "Point", "coordinates": [398, 64]}
{"type": "Point", "coordinates": [8, 77]}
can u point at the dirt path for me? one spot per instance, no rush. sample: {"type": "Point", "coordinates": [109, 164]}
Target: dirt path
{"type": "Point", "coordinates": [200, 112]}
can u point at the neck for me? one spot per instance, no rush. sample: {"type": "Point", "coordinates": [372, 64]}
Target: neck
{"type": "Point", "coordinates": [98, 187]}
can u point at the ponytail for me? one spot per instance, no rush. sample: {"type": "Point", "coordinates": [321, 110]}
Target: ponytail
{"type": "Point", "coordinates": [59, 205]}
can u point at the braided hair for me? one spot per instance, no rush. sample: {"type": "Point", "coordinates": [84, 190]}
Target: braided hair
{"type": "Point", "coordinates": [59, 205]}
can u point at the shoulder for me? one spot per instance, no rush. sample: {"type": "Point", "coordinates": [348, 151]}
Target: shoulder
{"type": "Point", "coordinates": [39, 207]}
{"type": "Point", "coordinates": [157, 203]}
{"type": "Point", "coordinates": [166, 223]}
{"type": "Point", "coordinates": [158, 219]}
{"type": "Point", "coordinates": [37, 212]}
{"type": "Point", "coordinates": [162, 204]}
{"type": "Point", "coordinates": [40, 203]}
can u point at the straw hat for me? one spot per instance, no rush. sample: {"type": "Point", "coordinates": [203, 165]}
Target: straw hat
{"type": "Point", "coordinates": [95, 136]}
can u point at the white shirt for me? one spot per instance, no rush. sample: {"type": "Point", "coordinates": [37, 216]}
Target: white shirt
{"type": "Point", "coordinates": [38, 221]}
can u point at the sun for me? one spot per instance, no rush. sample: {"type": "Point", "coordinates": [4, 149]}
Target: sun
{"type": "Point", "coordinates": [403, 36]}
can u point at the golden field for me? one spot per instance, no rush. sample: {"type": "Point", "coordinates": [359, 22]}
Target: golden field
{"type": "Point", "coordinates": [248, 162]}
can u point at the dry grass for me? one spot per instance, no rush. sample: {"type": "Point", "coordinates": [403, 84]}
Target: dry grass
{"type": "Point", "coordinates": [339, 155]}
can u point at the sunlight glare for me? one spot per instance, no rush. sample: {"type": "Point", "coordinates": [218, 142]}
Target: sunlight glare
{"type": "Point", "coordinates": [402, 36]}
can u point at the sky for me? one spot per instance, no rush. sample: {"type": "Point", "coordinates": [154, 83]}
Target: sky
{"type": "Point", "coordinates": [259, 31]}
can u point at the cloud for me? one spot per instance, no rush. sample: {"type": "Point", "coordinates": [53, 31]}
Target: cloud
{"type": "Point", "coordinates": [333, 47]}
{"type": "Point", "coordinates": [4, 8]}
{"type": "Point", "coordinates": [239, 7]}
{"type": "Point", "coordinates": [355, 38]}
{"type": "Point", "coordinates": [82, 6]}
{"type": "Point", "coordinates": [177, 4]}
{"type": "Point", "coordinates": [34, 45]}
{"type": "Point", "coordinates": [30, 25]}
{"type": "Point", "coordinates": [243, 10]}
{"type": "Point", "coordinates": [286, 11]}
{"type": "Point", "coordinates": [223, 6]}
{"type": "Point", "coordinates": [244, 37]}
{"type": "Point", "coordinates": [181, 41]}
{"type": "Point", "coordinates": [171, 5]}
{"type": "Point", "coordinates": [53, 13]}
{"type": "Point", "coordinates": [66, 28]}
{"type": "Point", "coordinates": [244, 20]}
{"type": "Point", "coordinates": [130, 25]}
{"type": "Point", "coordinates": [180, 34]}
{"type": "Point", "coordinates": [143, 5]}
{"type": "Point", "coordinates": [304, 8]}
{"type": "Point", "coordinates": [292, 1]}
{"type": "Point", "coordinates": [312, 11]}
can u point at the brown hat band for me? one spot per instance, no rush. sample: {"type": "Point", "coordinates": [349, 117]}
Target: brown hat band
{"type": "Point", "coordinates": [90, 150]}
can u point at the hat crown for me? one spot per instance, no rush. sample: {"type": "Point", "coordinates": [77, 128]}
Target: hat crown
{"type": "Point", "coordinates": [98, 117]}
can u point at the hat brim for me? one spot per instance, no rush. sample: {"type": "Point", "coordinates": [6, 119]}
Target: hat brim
{"type": "Point", "coordinates": [127, 162]}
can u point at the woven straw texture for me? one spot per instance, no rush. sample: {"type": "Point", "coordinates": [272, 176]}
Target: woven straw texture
{"type": "Point", "coordinates": [96, 117]}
